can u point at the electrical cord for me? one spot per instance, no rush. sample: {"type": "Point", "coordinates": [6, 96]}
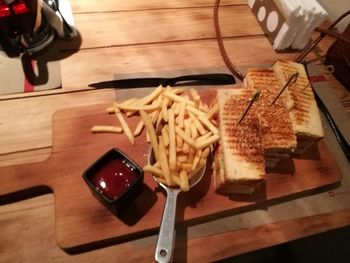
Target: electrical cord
{"type": "Point", "coordinates": [222, 49]}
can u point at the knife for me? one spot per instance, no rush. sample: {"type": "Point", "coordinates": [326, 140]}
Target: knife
{"type": "Point", "coordinates": [193, 80]}
{"type": "Point", "coordinates": [339, 136]}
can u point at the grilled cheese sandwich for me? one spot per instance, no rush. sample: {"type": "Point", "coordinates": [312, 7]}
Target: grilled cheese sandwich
{"type": "Point", "coordinates": [239, 162]}
{"type": "Point", "coordinates": [277, 131]}
{"type": "Point", "coordinates": [304, 112]}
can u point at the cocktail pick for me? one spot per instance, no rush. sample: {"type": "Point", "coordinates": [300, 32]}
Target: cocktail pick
{"type": "Point", "coordinates": [254, 98]}
{"type": "Point", "coordinates": [293, 78]}
{"type": "Point", "coordinates": [307, 85]}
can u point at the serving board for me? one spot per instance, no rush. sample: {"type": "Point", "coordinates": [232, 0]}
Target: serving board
{"type": "Point", "coordinates": [83, 223]}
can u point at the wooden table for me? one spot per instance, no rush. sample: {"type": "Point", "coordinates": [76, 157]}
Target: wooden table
{"type": "Point", "coordinates": [140, 38]}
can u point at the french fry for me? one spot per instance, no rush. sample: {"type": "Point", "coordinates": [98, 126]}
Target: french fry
{"type": "Point", "coordinates": [164, 161]}
{"type": "Point", "coordinates": [208, 124]}
{"type": "Point", "coordinates": [138, 107]}
{"type": "Point", "coordinates": [129, 101]}
{"type": "Point", "coordinates": [139, 128]}
{"type": "Point", "coordinates": [124, 125]}
{"type": "Point", "coordinates": [204, 137]}
{"type": "Point", "coordinates": [187, 138]}
{"type": "Point", "coordinates": [182, 158]}
{"type": "Point", "coordinates": [165, 104]}
{"type": "Point", "coordinates": [151, 132]}
{"type": "Point", "coordinates": [196, 159]}
{"type": "Point", "coordinates": [214, 122]}
{"type": "Point", "coordinates": [159, 119]}
{"type": "Point", "coordinates": [190, 156]}
{"type": "Point", "coordinates": [186, 147]}
{"type": "Point", "coordinates": [154, 170]}
{"type": "Point", "coordinates": [205, 152]}
{"type": "Point", "coordinates": [172, 145]}
{"type": "Point", "coordinates": [186, 166]}
{"type": "Point", "coordinates": [195, 96]}
{"type": "Point", "coordinates": [110, 109]}
{"type": "Point", "coordinates": [155, 115]}
{"type": "Point", "coordinates": [126, 102]}
{"type": "Point", "coordinates": [177, 91]}
{"type": "Point", "coordinates": [200, 166]}
{"type": "Point", "coordinates": [194, 131]}
{"type": "Point", "coordinates": [182, 114]}
{"type": "Point", "coordinates": [148, 139]}
{"type": "Point", "coordinates": [130, 113]}
{"type": "Point", "coordinates": [173, 106]}
{"type": "Point", "coordinates": [178, 98]}
{"type": "Point", "coordinates": [151, 97]}
{"type": "Point", "coordinates": [175, 180]}
{"type": "Point", "coordinates": [186, 97]}
{"type": "Point", "coordinates": [211, 140]}
{"type": "Point", "coordinates": [105, 128]}
{"type": "Point", "coordinates": [214, 110]}
{"type": "Point", "coordinates": [154, 102]}
{"type": "Point", "coordinates": [165, 136]}
{"type": "Point", "coordinates": [200, 106]}
{"type": "Point", "coordinates": [184, 185]}
{"type": "Point", "coordinates": [176, 108]}
{"type": "Point", "coordinates": [179, 142]}
{"type": "Point", "coordinates": [197, 123]}
{"type": "Point", "coordinates": [194, 110]}
{"type": "Point", "coordinates": [159, 98]}
{"type": "Point", "coordinates": [204, 107]}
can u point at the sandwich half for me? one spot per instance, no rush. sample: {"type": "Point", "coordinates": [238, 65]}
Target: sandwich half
{"type": "Point", "coordinates": [239, 161]}
{"type": "Point", "coordinates": [304, 112]}
{"type": "Point", "coordinates": [278, 136]}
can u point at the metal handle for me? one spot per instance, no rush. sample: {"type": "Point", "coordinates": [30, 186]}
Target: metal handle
{"type": "Point", "coordinates": [165, 243]}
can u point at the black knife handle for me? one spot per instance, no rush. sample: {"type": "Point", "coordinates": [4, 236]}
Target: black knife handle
{"type": "Point", "coordinates": [218, 78]}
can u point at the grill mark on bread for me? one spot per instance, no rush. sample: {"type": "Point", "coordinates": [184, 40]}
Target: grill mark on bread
{"type": "Point", "coordinates": [276, 125]}
{"type": "Point", "coordinates": [299, 95]}
{"type": "Point", "coordinates": [243, 139]}
{"type": "Point", "coordinates": [303, 108]}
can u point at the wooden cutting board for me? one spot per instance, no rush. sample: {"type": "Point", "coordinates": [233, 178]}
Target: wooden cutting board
{"type": "Point", "coordinates": [83, 223]}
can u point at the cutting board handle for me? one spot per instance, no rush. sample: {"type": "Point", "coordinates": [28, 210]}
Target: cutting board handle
{"type": "Point", "coordinates": [25, 178]}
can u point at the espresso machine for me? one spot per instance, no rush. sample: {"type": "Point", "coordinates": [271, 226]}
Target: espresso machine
{"type": "Point", "coordinates": [30, 26]}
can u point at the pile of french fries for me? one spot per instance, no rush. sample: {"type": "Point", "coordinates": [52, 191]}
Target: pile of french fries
{"type": "Point", "coordinates": [180, 128]}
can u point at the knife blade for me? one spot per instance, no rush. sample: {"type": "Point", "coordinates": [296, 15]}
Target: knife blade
{"type": "Point", "coordinates": [333, 122]}
{"type": "Point", "coordinates": [193, 80]}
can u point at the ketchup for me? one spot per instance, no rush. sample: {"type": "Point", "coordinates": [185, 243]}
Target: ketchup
{"type": "Point", "coordinates": [114, 178]}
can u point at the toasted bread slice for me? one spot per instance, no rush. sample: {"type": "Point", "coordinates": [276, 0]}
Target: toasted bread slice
{"type": "Point", "coordinates": [304, 113]}
{"type": "Point", "coordinates": [242, 158]}
{"type": "Point", "coordinates": [277, 129]}
{"type": "Point", "coordinates": [225, 186]}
